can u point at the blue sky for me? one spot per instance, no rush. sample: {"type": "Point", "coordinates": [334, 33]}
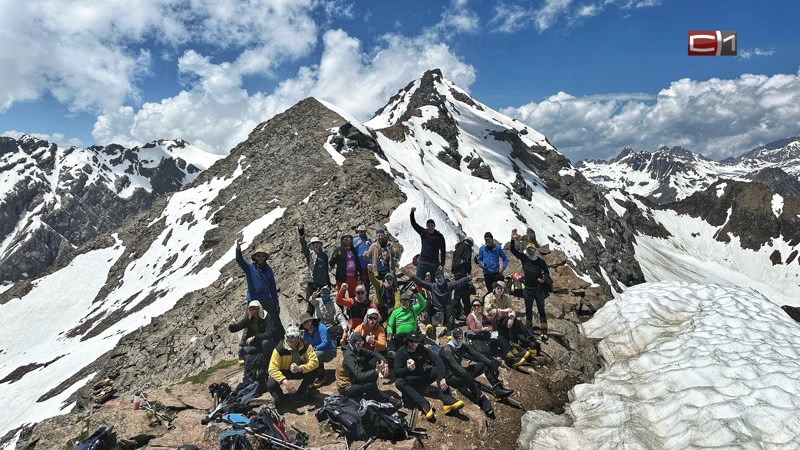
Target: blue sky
{"type": "Point", "coordinates": [593, 75]}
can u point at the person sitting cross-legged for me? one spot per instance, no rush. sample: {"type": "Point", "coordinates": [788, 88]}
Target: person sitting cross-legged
{"type": "Point", "coordinates": [262, 330]}
{"type": "Point", "coordinates": [358, 375]}
{"type": "Point", "coordinates": [315, 334]}
{"type": "Point", "coordinates": [292, 359]}
{"type": "Point", "coordinates": [463, 378]}
{"type": "Point", "coordinates": [415, 368]}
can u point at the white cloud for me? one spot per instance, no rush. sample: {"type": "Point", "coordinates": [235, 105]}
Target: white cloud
{"type": "Point", "coordinates": [511, 17]}
{"type": "Point", "coordinates": [58, 138]}
{"type": "Point", "coordinates": [718, 118]}
{"type": "Point", "coordinates": [459, 18]}
{"type": "Point", "coordinates": [216, 112]}
{"type": "Point", "coordinates": [89, 54]}
{"type": "Point", "coordinates": [747, 54]}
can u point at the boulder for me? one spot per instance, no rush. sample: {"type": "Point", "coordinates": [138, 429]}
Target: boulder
{"type": "Point", "coordinates": [565, 280]}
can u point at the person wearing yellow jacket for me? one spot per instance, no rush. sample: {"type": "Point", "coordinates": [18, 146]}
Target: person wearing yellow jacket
{"type": "Point", "coordinates": [292, 359]}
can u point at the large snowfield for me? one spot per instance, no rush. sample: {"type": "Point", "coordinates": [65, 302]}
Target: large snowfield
{"type": "Point", "coordinates": [684, 366]}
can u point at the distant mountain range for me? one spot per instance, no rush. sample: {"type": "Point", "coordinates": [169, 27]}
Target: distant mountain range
{"type": "Point", "coordinates": [674, 173]}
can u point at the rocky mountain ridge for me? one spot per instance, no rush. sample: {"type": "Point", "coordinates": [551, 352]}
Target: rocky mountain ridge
{"type": "Point", "coordinates": [54, 199]}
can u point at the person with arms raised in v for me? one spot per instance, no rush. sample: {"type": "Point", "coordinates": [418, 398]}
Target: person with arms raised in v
{"type": "Point", "coordinates": [441, 308]}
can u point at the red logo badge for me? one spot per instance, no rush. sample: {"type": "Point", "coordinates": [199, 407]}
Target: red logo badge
{"type": "Point", "coordinates": [713, 43]}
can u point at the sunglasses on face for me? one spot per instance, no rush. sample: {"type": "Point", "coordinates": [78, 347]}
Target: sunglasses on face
{"type": "Point", "coordinates": [476, 306]}
{"type": "Point", "coordinates": [372, 318]}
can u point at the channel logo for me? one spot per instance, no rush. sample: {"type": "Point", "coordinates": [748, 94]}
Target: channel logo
{"type": "Point", "coordinates": [713, 43]}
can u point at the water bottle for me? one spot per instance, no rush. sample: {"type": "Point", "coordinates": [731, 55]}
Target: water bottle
{"type": "Point", "coordinates": [137, 401]}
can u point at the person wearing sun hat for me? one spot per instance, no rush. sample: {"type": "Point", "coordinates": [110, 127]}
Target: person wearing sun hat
{"type": "Point", "coordinates": [261, 284]}
{"type": "Point", "coordinates": [292, 359]}
{"type": "Point", "coordinates": [538, 283]}
{"type": "Point", "coordinates": [316, 262]}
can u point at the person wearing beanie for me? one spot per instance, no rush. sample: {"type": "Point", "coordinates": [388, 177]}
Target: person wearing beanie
{"type": "Point", "coordinates": [432, 253]}
{"type": "Point", "coordinates": [493, 260]}
{"type": "Point", "coordinates": [263, 331]}
{"type": "Point", "coordinates": [374, 334]}
{"type": "Point", "coordinates": [441, 309]}
{"type": "Point", "coordinates": [357, 306]}
{"type": "Point", "coordinates": [357, 377]}
{"type": "Point", "coordinates": [463, 378]}
{"type": "Point", "coordinates": [261, 284]}
{"type": "Point", "coordinates": [315, 334]}
{"type": "Point", "coordinates": [415, 368]}
{"type": "Point", "coordinates": [316, 261]}
{"type": "Point", "coordinates": [292, 359]}
{"type": "Point", "coordinates": [347, 265]}
{"type": "Point", "coordinates": [387, 294]}
{"type": "Point", "coordinates": [462, 267]}
{"type": "Point", "coordinates": [538, 283]}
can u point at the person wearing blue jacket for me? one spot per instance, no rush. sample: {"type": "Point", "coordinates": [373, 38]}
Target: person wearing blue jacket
{"type": "Point", "coordinates": [315, 334]}
{"type": "Point", "coordinates": [489, 257]}
{"type": "Point", "coordinates": [261, 284]}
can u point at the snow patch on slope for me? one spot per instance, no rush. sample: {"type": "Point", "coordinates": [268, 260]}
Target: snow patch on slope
{"type": "Point", "coordinates": [777, 205]}
{"type": "Point", "coordinates": [685, 366]}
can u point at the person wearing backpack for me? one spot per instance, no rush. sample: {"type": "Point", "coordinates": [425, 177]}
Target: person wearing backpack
{"type": "Point", "coordinates": [493, 260]}
{"type": "Point", "coordinates": [432, 253]}
{"type": "Point", "coordinates": [261, 284]}
{"type": "Point", "coordinates": [263, 331]}
{"type": "Point", "coordinates": [357, 307]}
{"type": "Point", "coordinates": [358, 375]}
{"type": "Point", "coordinates": [316, 261]}
{"type": "Point", "coordinates": [462, 267]}
{"type": "Point", "coordinates": [347, 264]}
{"type": "Point", "coordinates": [538, 283]}
{"type": "Point", "coordinates": [415, 368]}
{"type": "Point", "coordinates": [315, 334]}
{"type": "Point", "coordinates": [463, 378]}
{"type": "Point", "coordinates": [292, 359]}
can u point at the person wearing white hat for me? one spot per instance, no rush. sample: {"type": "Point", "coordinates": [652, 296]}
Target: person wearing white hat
{"type": "Point", "coordinates": [292, 359]}
{"type": "Point", "coordinates": [374, 334]}
{"type": "Point", "coordinates": [262, 331]}
{"type": "Point", "coordinates": [261, 283]}
{"type": "Point", "coordinates": [316, 261]}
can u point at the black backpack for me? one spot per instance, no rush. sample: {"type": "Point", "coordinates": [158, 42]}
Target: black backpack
{"type": "Point", "coordinates": [234, 440]}
{"type": "Point", "coordinates": [344, 416]}
{"type": "Point", "coordinates": [383, 424]}
{"type": "Point", "coordinates": [255, 371]}
{"type": "Point", "coordinates": [103, 438]}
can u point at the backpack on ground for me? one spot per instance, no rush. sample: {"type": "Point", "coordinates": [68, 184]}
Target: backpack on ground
{"type": "Point", "coordinates": [255, 370]}
{"type": "Point", "coordinates": [234, 440]}
{"type": "Point", "coordinates": [344, 416]}
{"type": "Point", "coordinates": [385, 423]}
{"type": "Point", "coordinates": [103, 438]}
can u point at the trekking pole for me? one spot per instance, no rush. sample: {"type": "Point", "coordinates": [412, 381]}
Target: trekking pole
{"type": "Point", "coordinates": [273, 440]}
{"type": "Point", "coordinates": [368, 443]}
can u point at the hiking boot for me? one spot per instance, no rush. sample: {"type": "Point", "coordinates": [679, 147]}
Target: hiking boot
{"type": "Point", "coordinates": [430, 416]}
{"type": "Point", "coordinates": [529, 323]}
{"type": "Point", "coordinates": [454, 407]}
{"type": "Point", "coordinates": [501, 392]}
{"type": "Point", "coordinates": [318, 382]}
{"type": "Point", "coordinates": [486, 406]}
{"type": "Point", "coordinates": [241, 362]}
{"type": "Point", "coordinates": [519, 363]}
{"type": "Point", "coordinates": [513, 352]}
{"type": "Point", "coordinates": [532, 353]}
{"type": "Point", "coordinates": [511, 355]}
{"type": "Point", "coordinates": [544, 337]}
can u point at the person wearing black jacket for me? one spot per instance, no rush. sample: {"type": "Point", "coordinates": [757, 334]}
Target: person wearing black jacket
{"type": "Point", "coordinates": [432, 254]}
{"type": "Point", "coordinates": [463, 378]}
{"type": "Point", "coordinates": [538, 283]}
{"type": "Point", "coordinates": [415, 368]}
{"type": "Point", "coordinates": [521, 338]}
{"type": "Point", "coordinates": [357, 377]}
{"type": "Point", "coordinates": [316, 261]}
{"type": "Point", "coordinates": [347, 263]}
{"type": "Point", "coordinates": [263, 331]}
{"type": "Point", "coordinates": [462, 267]}
{"type": "Point", "coordinates": [441, 290]}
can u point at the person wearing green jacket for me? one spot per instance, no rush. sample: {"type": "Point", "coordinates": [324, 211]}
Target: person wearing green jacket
{"type": "Point", "coordinates": [403, 320]}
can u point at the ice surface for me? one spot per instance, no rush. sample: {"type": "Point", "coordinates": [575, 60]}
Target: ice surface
{"type": "Point", "coordinates": [684, 366]}
{"type": "Point", "coordinates": [777, 204]}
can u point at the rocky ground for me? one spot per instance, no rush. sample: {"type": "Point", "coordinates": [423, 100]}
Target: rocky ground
{"type": "Point", "coordinates": [543, 385]}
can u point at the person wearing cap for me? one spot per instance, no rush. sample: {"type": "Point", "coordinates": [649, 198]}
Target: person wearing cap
{"type": "Point", "coordinates": [380, 255]}
{"type": "Point", "coordinates": [462, 267]}
{"type": "Point", "coordinates": [357, 306]}
{"type": "Point", "coordinates": [357, 376]}
{"type": "Point", "coordinates": [261, 284]}
{"type": "Point", "coordinates": [362, 243]}
{"type": "Point", "coordinates": [497, 304]}
{"type": "Point", "coordinates": [262, 331]}
{"type": "Point", "coordinates": [315, 334]}
{"type": "Point", "coordinates": [492, 259]}
{"type": "Point", "coordinates": [463, 378]}
{"type": "Point", "coordinates": [403, 320]}
{"type": "Point", "coordinates": [316, 261]}
{"type": "Point", "coordinates": [538, 283]}
{"type": "Point", "coordinates": [321, 305]}
{"type": "Point", "coordinates": [374, 334]}
{"type": "Point", "coordinates": [441, 309]}
{"type": "Point", "coordinates": [521, 338]}
{"type": "Point", "coordinates": [415, 368]}
{"type": "Point", "coordinates": [292, 359]}
{"type": "Point", "coordinates": [347, 265]}
{"type": "Point", "coordinates": [387, 295]}
{"type": "Point", "coordinates": [432, 254]}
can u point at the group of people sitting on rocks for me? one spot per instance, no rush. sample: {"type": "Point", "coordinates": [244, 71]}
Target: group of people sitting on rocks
{"type": "Point", "coordinates": [382, 328]}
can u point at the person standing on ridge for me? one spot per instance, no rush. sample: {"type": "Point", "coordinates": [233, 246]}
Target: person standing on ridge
{"type": "Point", "coordinates": [380, 255]}
{"type": "Point", "coordinates": [347, 263]}
{"type": "Point", "coordinates": [261, 284]}
{"type": "Point", "coordinates": [316, 261]}
{"type": "Point", "coordinates": [462, 267]}
{"type": "Point", "coordinates": [538, 283]}
{"type": "Point", "coordinates": [432, 254]}
{"type": "Point", "coordinates": [489, 257]}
